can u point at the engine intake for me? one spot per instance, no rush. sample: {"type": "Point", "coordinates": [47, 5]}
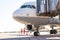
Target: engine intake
{"type": "Point", "coordinates": [29, 27]}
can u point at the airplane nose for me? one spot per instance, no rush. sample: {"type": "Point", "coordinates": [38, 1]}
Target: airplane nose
{"type": "Point", "coordinates": [17, 13]}
{"type": "Point", "coordinates": [23, 12]}
{"type": "Point", "coordinates": [20, 12]}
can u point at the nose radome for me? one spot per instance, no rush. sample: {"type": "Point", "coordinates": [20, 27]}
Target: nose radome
{"type": "Point", "coordinates": [23, 12]}
{"type": "Point", "coordinates": [17, 12]}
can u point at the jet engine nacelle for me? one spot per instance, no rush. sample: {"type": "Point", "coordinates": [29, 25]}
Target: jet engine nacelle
{"type": "Point", "coordinates": [30, 27]}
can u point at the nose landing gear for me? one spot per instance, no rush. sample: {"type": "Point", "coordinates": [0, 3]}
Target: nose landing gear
{"type": "Point", "coordinates": [36, 33]}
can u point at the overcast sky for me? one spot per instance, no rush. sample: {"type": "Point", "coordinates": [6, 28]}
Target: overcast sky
{"type": "Point", "coordinates": [7, 7]}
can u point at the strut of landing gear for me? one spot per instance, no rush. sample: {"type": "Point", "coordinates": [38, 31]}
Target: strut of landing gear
{"type": "Point", "coordinates": [36, 33]}
{"type": "Point", "coordinates": [53, 31]}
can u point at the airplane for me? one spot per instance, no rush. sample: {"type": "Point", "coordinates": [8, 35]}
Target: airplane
{"type": "Point", "coordinates": [36, 14]}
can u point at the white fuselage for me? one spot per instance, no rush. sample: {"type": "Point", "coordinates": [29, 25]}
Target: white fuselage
{"type": "Point", "coordinates": [28, 15]}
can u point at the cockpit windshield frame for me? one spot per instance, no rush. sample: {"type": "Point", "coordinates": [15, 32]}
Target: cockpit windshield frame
{"type": "Point", "coordinates": [28, 6]}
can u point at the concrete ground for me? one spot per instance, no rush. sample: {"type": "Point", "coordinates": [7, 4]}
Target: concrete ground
{"type": "Point", "coordinates": [16, 36]}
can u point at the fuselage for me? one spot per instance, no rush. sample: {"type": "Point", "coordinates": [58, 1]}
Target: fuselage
{"type": "Point", "coordinates": [27, 14]}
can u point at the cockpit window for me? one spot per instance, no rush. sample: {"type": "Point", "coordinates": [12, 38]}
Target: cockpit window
{"type": "Point", "coordinates": [24, 6]}
{"type": "Point", "coordinates": [33, 6]}
{"type": "Point", "coordinates": [28, 6]}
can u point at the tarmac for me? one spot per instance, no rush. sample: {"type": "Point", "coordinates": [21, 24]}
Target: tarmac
{"type": "Point", "coordinates": [32, 38]}
{"type": "Point", "coordinates": [16, 36]}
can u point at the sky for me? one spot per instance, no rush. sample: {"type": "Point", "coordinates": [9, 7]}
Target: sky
{"type": "Point", "coordinates": [7, 8]}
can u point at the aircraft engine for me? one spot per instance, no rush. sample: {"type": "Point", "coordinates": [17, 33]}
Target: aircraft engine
{"type": "Point", "coordinates": [29, 27]}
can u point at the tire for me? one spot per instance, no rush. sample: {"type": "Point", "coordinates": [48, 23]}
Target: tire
{"type": "Point", "coordinates": [53, 31]}
{"type": "Point", "coordinates": [36, 33]}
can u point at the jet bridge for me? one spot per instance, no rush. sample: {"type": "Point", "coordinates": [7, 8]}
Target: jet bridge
{"type": "Point", "coordinates": [47, 8]}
